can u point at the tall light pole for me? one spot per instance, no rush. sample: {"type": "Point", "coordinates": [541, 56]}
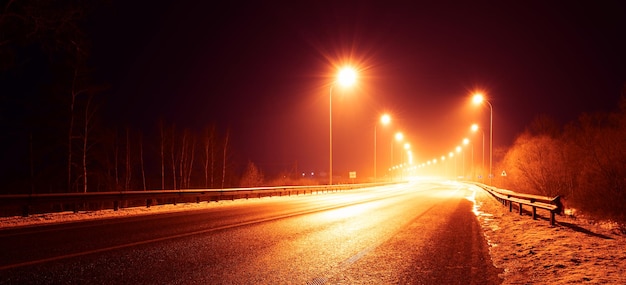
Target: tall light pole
{"type": "Point", "coordinates": [346, 77]}
{"type": "Point", "coordinates": [474, 129]}
{"type": "Point", "coordinates": [398, 137]}
{"type": "Point", "coordinates": [465, 142]}
{"type": "Point", "coordinates": [479, 99]}
{"type": "Point", "coordinates": [405, 163]}
{"type": "Point", "coordinates": [451, 155]}
{"type": "Point", "coordinates": [458, 150]}
{"type": "Point", "coordinates": [384, 119]}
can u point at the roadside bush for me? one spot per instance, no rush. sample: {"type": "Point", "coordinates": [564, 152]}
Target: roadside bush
{"type": "Point", "coordinates": [585, 163]}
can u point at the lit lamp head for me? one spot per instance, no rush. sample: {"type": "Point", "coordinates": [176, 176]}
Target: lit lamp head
{"type": "Point", "coordinates": [399, 136]}
{"type": "Point", "coordinates": [385, 119]}
{"type": "Point", "coordinates": [474, 127]}
{"type": "Point", "coordinates": [347, 76]}
{"type": "Point", "coordinates": [478, 98]}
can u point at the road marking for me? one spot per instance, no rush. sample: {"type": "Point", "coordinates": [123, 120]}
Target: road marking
{"type": "Point", "coordinates": [353, 259]}
{"type": "Point", "coordinates": [116, 247]}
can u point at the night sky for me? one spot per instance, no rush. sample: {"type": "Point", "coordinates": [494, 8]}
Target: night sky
{"type": "Point", "coordinates": [263, 70]}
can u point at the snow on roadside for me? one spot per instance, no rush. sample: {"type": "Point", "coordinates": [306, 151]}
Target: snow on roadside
{"type": "Point", "coordinates": [69, 216]}
{"type": "Point", "coordinates": [534, 252]}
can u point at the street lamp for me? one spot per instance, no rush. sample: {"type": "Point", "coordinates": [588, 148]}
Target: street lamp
{"type": "Point", "coordinates": [346, 77]}
{"type": "Point", "coordinates": [479, 99]}
{"type": "Point", "coordinates": [458, 150]}
{"type": "Point", "coordinates": [407, 147]}
{"type": "Point", "coordinates": [443, 172]}
{"type": "Point", "coordinates": [451, 155]}
{"type": "Point", "coordinates": [465, 142]}
{"type": "Point", "coordinates": [384, 119]}
{"type": "Point", "coordinates": [474, 129]}
{"type": "Point", "coordinates": [398, 137]}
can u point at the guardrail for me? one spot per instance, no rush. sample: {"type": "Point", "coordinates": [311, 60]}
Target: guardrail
{"type": "Point", "coordinates": [509, 198]}
{"type": "Point", "coordinates": [54, 202]}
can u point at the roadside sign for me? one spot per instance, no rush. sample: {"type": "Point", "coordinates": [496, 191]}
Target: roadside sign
{"type": "Point", "coordinates": [352, 174]}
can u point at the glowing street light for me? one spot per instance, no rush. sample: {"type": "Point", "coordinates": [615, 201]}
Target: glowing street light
{"type": "Point", "coordinates": [479, 99]}
{"type": "Point", "coordinates": [398, 137]}
{"type": "Point", "coordinates": [466, 141]}
{"type": "Point", "coordinates": [475, 128]}
{"type": "Point", "coordinates": [385, 120]}
{"type": "Point", "coordinates": [458, 149]}
{"type": "Point", "coordinates": [346, 77]}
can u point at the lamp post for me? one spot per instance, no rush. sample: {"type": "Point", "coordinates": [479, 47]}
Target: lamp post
{"type": "Point", "coordinates": [451, 155]}
{"type": "Point", "coordinates": [474, 129]}
{"type": "Point", "coordinates": [478, 99]}
{"type": "Point", "coordinates": [403, 162]}
{"type": "Point", "coordinates": [458, 150]}
{"type": "Point", "coordinates": [465, 142]}
{"type": "Point", "coordinates": [398, 137]}
{"type": "Point", "coordinates": [384, 119]}
{"type": "Point", "coordinates": [443, 168]}
{"type": "Point", "coordinates": [346, 77]}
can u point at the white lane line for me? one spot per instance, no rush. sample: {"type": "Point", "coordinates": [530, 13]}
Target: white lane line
{"type": "Point", "coordinates": [110, 248]}
{"type": "Point", "coordinates": [353, 259]}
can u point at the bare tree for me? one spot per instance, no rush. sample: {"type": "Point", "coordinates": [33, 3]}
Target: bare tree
{"type": "Point", "coordinates": [32, 28]}
{"type": "Point", "coordinates": [143, 171]}
{"type": "Point", "coordinates": [173, 155]}
{"type": "Point", "coordinates": [226, 137]}
{"type": "Point", "coordinates": [190, 160]}
{"type": "Point", "coordinates": [89, 116]}
{"type": "Point", "coordinates": [116, 155]}
{"type": "Point", "coordinates": [209, 156]}
{"type": "Point", "coordinates": [162, 155]}
{"type": "Point", "coordinates": [129, 167]}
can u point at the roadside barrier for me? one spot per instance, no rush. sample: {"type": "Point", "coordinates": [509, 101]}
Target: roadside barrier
{"type": "Point", "coordinates": [55, 202]}
{"type": "Point", "coordinates": [510, 198]}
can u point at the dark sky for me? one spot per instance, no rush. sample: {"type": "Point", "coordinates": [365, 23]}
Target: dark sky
{"type": "Point", "coordinates": [263, 70]}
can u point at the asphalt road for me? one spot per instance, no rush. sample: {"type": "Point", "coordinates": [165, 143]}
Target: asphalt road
{"type": "Point", "coordinates": [418, 233]}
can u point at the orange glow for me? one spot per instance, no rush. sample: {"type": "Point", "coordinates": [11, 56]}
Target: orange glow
{"type": "Point", "coordinates": [407, 146]}
{"type": "Point", "coordinates": [478, 98]}
{"type": "Point", "coordinates": [385, 119]}
{"type": "Point", "coordinates": [347, 76]}
{"type": "Point", "coordinates": [458, 149]}
{"type": "Point", "coordinates": [399, 136]}
{"type": "Point", "coordinates": [465, 141]}
{"type": "Point", "coordinates": [474, 127]}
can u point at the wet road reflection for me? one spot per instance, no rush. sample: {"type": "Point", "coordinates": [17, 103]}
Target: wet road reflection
{"type": "Point", "coordinates": [367, 236]}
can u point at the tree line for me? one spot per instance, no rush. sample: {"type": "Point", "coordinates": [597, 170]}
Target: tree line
{"type": "Point", "coordinates": [53, 135]}
{"type": "Point", "coordinates": [583, 162]}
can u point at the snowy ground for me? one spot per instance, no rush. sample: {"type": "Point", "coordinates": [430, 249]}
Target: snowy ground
{"type": "Point", "coordinates": [533, 252]}
{"type": "Point", "coordinates": [530, 252]}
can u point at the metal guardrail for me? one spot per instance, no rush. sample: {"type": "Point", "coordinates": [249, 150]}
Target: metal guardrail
{"type": "Point", "coordinates": [509, 198]}
{"type": "Point", "coordinates": [116, 200]}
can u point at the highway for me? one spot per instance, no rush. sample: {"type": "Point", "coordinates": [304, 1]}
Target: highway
{"type": "Point", "coordinates": [422, 232]}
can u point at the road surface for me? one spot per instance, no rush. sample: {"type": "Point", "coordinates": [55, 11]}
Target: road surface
{"type": "Point", "coordinates": [416, 233]}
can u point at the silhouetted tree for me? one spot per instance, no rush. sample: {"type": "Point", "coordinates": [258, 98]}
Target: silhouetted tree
{"type": "Point", "coordinates": [209, 157]}
{"type": "Point", "coordinates": [252, 176]}
{"type": "Point", "coordinates": [47, 38]}
{"type": "Point", "coordinates": [224, 156]}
